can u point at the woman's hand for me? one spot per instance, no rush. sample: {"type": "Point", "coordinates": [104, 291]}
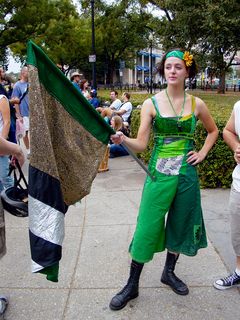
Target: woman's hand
{"type": "Point", "coordinates": [195, 157]}
{"type": "Point", "coordinates": [118, 137]}
{"type": "Point", "coordinates": [19, 156]}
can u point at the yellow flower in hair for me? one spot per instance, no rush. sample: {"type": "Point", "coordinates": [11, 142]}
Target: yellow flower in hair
{"type": "Point", "coordinates": [188, 58]}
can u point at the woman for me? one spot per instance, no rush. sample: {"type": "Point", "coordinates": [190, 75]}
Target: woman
{"type": "Point", "coordinates": [13, 149]}
{"type": "Point", "coordinates": [5, 180]}
{"type": "Point", "coordinates": [173, 114]}
{"type": "Point", "coordinates": [117, 150]}
{"type": "Point", "coordinates": [84, 89]}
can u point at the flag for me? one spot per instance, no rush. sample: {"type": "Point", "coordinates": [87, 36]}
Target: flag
{"type": "Point", "coordinates": [68, 141]}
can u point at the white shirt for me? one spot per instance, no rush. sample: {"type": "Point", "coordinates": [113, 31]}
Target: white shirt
{"type": "Point", "coordinates": [116, 104]}
{"type": "Point", "coordinates": [236, 171]}
{"type": "Point", "coordinates": [127, 106]}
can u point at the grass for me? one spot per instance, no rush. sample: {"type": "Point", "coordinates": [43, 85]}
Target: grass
{"type": "Point", "coordinates": [220, 105]}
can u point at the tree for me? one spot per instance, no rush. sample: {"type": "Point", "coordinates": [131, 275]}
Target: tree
{"type": "Point", "coordinates": [209, 27]}
{"type": "Point", "coordinates": [21, 20]}
{"type": "Point", "coordinates": [121, 32]}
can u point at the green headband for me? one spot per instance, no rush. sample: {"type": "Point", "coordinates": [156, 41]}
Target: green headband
{"type": "Point", "coordinates": [185, 56]}
{"type": "Point", "coordinates": [176, 53]}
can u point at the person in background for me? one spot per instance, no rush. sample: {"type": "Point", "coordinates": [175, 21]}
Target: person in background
{"type": "Point", "coordinates": [75, 78]}
{"type": "Point", "coordinates": [173, 115]}
{"type": "Point", "coordinates": [231, 135]}
{"type": "Point", "coordinates": [6, 90]}
{"type": "Point", "coordinates": [126, 108]}
{"type": "Point", "coordinates": [5, 180]}
{"type": "Point", "coordinates": [13, 149]}
{"type": "Point", "coordinates": [94, 101]}
{"type": "Point", "coordinates": [115, 103]}
{"type": "Point", "coordinates": [118, 150]}
{"type": "Point", "coordinates": [84, 89]}
{"type": "Point", "coordinates": [20, 91]}
{"type": "Point", "coordinates": [124, 111]}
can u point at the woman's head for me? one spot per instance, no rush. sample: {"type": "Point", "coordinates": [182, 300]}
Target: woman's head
{"type": "Point", "coordinates": [84, 84]}
{"type": "Point", "coordinates": [116, 123]}
{"type": "Point", "coordinates": [183, 57]}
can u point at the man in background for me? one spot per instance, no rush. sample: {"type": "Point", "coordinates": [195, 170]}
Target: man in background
{"type": "Point", "coordinates": [20, 91]}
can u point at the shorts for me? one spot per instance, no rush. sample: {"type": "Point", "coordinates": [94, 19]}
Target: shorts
{"type": "Point", "coordinates": [234, 208]}
{"type": "Point", "coordinates": [26, 123]}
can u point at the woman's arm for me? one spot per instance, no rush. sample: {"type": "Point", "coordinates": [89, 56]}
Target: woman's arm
{"type": "Point", "coordinates": [139, 144]}
{"type": "Point", "coordinates": [5, 111]}
{"type": "Point", "coordinates": [204, 115]}
{"type": "Point", "coordinates": [231, 138]}
{"type": "Point", "coordinates": [7, 148]}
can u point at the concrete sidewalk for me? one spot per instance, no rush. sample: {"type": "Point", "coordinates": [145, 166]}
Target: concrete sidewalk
{"type": "Point", "coordinates": [95, 263]}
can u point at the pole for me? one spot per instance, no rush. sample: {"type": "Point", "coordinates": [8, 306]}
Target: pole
{"type": "Point", "coordinates": [93, 47]}
{"type": "Point", "coordinates": [139, 162]}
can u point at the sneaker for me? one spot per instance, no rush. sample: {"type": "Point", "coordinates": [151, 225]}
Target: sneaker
{"type": "Point", "coordinates": [3, 305]}
{"type": "Point", "coordinates": [233, 280]}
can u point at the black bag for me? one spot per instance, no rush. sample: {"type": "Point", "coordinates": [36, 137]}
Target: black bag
{"type": "Point", "coordinates": [15, 199]}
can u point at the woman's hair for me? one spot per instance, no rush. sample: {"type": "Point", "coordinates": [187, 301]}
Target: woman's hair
{"type": "Point", "coordinates": [192, 70]}
{"type": "Point", "coordinates": [82, 84]}
{"type": "Point", "coordinates": [118, 122]}
{"type": "Point", "coordinates": [127, 95]}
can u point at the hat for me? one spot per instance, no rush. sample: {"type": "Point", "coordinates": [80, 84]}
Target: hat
{"type": "Point", "coordinates": [74, 74]}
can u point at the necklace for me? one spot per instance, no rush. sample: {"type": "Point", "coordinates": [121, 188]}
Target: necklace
{"type": "Point", "coordinates": [177, 115]}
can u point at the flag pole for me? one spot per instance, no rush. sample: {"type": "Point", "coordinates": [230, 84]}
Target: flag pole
{"type": "Point", "coordinates": [138, 161]}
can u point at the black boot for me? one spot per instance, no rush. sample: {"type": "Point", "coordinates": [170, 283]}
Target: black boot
{"type": "Point", "coordinates": [170, 279]}
{"type": "Point", "coordinates": [130, 291]}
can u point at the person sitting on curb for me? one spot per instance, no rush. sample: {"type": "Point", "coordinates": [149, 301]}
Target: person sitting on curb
{"type": "Point", "coordinates": [118, 150]}
{"type": "Point", "coordinates": [231, 134]}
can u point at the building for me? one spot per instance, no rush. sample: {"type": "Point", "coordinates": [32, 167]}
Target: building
{"type": "Point", "coordinates": [141, 74]}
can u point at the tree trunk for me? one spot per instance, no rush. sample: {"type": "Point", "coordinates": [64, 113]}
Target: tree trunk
{"type": "Point", "coordinates": [221, 88]}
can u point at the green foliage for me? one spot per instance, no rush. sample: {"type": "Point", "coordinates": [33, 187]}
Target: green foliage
{"type": "Point", "coordinates": [216, 170]}
{"type": "Point", "coordinates": [209, 27]}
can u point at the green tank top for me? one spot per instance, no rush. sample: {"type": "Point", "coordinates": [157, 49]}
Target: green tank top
{"type": "Point", "coordinates": [173, 139]}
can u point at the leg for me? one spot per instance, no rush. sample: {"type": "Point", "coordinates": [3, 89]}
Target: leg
{"type": "Point", "coordinates": [233, 280]}
{"type": "Point", "coordinates": [117, 151]}
{"type": "Point", "coordinates": [169, 277]}
{"type": "Point", "coordinates": [26, 140]}
{"type": "Point", "coordinates": [130, 291]}
{"type": "Point", "coordinates": [185, 230]}
{"type": "Point", "coordinates": [5, 180]}
{"type": "Point", "coordinates": [26, 137]}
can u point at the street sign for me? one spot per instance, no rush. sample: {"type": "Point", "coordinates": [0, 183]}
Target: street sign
{"type": "Point", "coordinates": [122, 64]}
{"type": "Point", "coordinates": [92, 58]}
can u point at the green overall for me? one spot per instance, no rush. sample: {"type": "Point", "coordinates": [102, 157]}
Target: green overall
{"type": "Point", "coordinates": [175, 191]}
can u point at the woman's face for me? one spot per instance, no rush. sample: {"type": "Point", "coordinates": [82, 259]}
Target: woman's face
{"type": "Point", "coordinates": [175, 71]}
{"type": "Point", "coordinates": [112, 122]}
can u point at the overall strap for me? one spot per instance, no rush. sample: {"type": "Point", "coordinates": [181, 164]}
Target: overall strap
{"type": "Point", "coordinates": [154, 101]}
{"type": "Point", "coordinates": [194, 120]}
{"type": "Point", "coordinates": [193, 104]}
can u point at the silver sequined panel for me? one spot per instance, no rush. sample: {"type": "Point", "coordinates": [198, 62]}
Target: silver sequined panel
{"type": "Point", "coordinates": [169, 166]}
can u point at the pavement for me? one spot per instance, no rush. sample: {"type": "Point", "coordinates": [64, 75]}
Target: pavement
{"type": "Point", "coordinates": [95, 261]}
